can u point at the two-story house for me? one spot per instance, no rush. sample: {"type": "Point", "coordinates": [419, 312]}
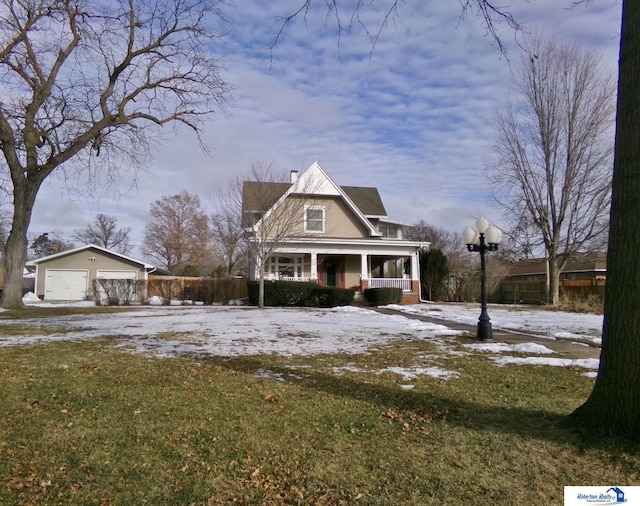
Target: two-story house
{"type": "Point", "coordinates": [312, 229]}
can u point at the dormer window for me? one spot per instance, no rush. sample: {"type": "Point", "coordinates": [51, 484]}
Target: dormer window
{"type": "Point", "coordinates": [314, 219]}
{"type": "Point", "coordinates": [388, 231]}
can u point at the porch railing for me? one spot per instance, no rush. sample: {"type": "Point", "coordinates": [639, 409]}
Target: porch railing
{"type": "Point", "coordinates": [405, 284]}
{"type": "Point", "coordinates": [288, 278]}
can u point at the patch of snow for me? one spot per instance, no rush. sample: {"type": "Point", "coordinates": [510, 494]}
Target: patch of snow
{"type": "Point", "coordinates": [264, 373]}
{"type": "Point", "coordinates": [585, 363]}
{"type": "Point", "coordinates": [492, 347]}
{"type": "Point", "coordinates": [30, 297]}
{"type": "Point", "coordinates": [543, 323]}
{"type": "Point", "coordinates": [231, 331]}
{"type": "Point", "coordinates": [409, 373]}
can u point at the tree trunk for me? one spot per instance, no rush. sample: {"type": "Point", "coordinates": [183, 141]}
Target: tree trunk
{"type": "Point", "coordinates": [553, 283]}
{"type": "Point", "coordinates": [15, 251]}
{"type": "Point", "coordinates": [614, 404]}
{"type": "Point", "coordinates": [547, 280]}
{"type": "Point", "coordinates": [261, 291]}
{"type": "Point", "coordinates": [260, 281]}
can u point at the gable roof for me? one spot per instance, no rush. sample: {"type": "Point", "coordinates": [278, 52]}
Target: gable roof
{"type": "Point", "coordinates": [93, 247]}
{"type": "Point", "coordinates": [260, 196]}
{"type": "Point", "coordinates": [367, 199]}
{"type": "Point", "coordinates": [314, 181]}
{"type": "Point", "coordinates": [589, 262]}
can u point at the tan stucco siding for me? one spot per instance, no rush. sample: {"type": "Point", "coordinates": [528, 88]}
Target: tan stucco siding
{"type": "Point", "coordinates": [82, 260]}
{"type": "Point", "coordinates": [339, 219]}
{"type": "Point", "coordinates": [352, 265]}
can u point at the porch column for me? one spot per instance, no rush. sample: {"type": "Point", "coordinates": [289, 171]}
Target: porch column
{"type": "Point", "coordinates": [364, 267]}
{"type": "Point", "coordinates": [415, 266]}
{"type": "Point", "coordinates": [364, 272]}
{"type": "Point", "coordinates": [313, 275]}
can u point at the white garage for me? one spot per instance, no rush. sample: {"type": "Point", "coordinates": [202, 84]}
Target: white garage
{"type": "Point", "coordinates": [72, 274]}
{"type": "Point", "coordinates": [66, 284]}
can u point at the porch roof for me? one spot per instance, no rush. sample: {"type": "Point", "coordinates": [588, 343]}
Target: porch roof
{"type": "Point", "coordinates": [349, 246]}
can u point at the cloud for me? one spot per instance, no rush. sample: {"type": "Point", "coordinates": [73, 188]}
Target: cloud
{"type": "Point", "coordinates": [411, 115]}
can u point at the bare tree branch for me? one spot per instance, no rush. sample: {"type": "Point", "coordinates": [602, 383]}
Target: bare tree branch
{"type": "Point", "coordinates": [88, 80]}
{"type": "Point", "coordinates": [492, 17]}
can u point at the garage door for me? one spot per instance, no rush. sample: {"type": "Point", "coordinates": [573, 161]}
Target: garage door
{"type": "Point", "coordinates": [110, 293]}
{"type": "Point", "coordinates": [66, 284]}
{"type": "Point", "coordinates": [117, 274]}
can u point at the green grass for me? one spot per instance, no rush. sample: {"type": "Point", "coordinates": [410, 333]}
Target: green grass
{"type": "Point", "coordinates": [88, 423]}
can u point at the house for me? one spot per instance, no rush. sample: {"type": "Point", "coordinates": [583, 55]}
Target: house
{"type": "Point", "coordinates": [312, 229]}
{"type": "Point", "coordinates": [589, 269]}
{"type": "Point", "coordinates": [69, 275]}
{"type": "Point", "coordinates": [584, 275]}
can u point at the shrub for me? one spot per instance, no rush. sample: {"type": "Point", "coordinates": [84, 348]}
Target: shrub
{"type": "Point", "coordinates": [382, 296]}
{"type": "Point", "coordinates": [281, 293]}
{"type": "Point", "coordinates": [329, 296]}
{"type": "Point", "coordinates": [116, 292]}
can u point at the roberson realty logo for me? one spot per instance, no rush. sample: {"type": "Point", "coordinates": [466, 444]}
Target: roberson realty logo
{"type": "Point", "coordinates": [592, 496]}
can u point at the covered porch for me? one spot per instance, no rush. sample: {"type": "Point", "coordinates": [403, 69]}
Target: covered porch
{"type": "Point", "coordinates": [368, 264]}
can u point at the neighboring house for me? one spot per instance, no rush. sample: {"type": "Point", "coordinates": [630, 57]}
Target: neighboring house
{"type": "Point", "coordinates": [342, 236]}
{"type": "Point", "coordinates": [69, 275]}
{"type": "Point", "coordinates": [526, 280]}
{"type": "Point", "coordinates": [589, 269]}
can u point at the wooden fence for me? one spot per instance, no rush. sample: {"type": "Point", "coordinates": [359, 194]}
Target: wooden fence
{"type": "Point", "coordinates": [197, 289]}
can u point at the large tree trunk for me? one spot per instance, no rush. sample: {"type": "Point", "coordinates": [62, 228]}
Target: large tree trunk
{"type": "Point", "coordinates": [553, 285]}
{"type": "Point", "coordinates": [614, 404]}
{"type": "Point", "coordinates": [15, 251]}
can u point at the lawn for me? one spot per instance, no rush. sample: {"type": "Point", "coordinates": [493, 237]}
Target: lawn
{"type": "Point", "coordinates": [90, 421]}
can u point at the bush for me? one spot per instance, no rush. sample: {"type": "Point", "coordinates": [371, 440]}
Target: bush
{"type": "Point", "coordinates": [281, 293]}
{"type": "Point", "coordinates": [329, 296]}
{"type": "Point", "coordinates": [116, 292]}
{"type": "Point", "coordinates": [382, 296]}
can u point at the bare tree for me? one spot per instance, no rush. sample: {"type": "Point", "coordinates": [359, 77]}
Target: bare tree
{"type": "Point", "coordinates": [87, 87]}
{"type": "Point", "coordinates": [438, 238]}
{"type": "Point", "coordinates": [103, 231]}
{"type": "Point", "coordinates": [462, 265]}
{"type": "Point", "coordinates": [552, 166]}
{"type": "Point", "coordinates": [260, 192]}
{"type": "Point", "coordinates": [273, 209]}
{"type": "Point", "coordinates": [226, 226]}
{"type": "Point", "coordinates": [177, 234]}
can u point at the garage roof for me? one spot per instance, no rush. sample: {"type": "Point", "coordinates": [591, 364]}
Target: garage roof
{"type": "Point", "coordinates": [147, 267]}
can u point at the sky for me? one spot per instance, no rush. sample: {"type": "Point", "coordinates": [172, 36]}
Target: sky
{"type": "Point", "coordinates": [412, 116]}
{"type": "Point", "coordinates": [232, 331]}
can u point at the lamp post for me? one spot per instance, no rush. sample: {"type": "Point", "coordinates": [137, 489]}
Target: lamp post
{"type": "Point", "coordinates": [483, 238]}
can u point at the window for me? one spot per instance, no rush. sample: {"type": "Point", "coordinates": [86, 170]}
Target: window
{"type": "Point", "coordinates": [285, 267]}
{"type": "Point", "coordinates": [314, 219]}
{"type": "Point", "coordinates": [389, 231]}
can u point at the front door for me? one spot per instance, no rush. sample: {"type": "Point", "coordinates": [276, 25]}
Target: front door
{"type": "Point", "coordinates": [331, 272]}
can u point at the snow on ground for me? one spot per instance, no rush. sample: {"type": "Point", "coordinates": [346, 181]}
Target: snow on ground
{"type": "Point", "coordinates": [232, 331]}
{"type": "Point", "coordinates": [541, 323]}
